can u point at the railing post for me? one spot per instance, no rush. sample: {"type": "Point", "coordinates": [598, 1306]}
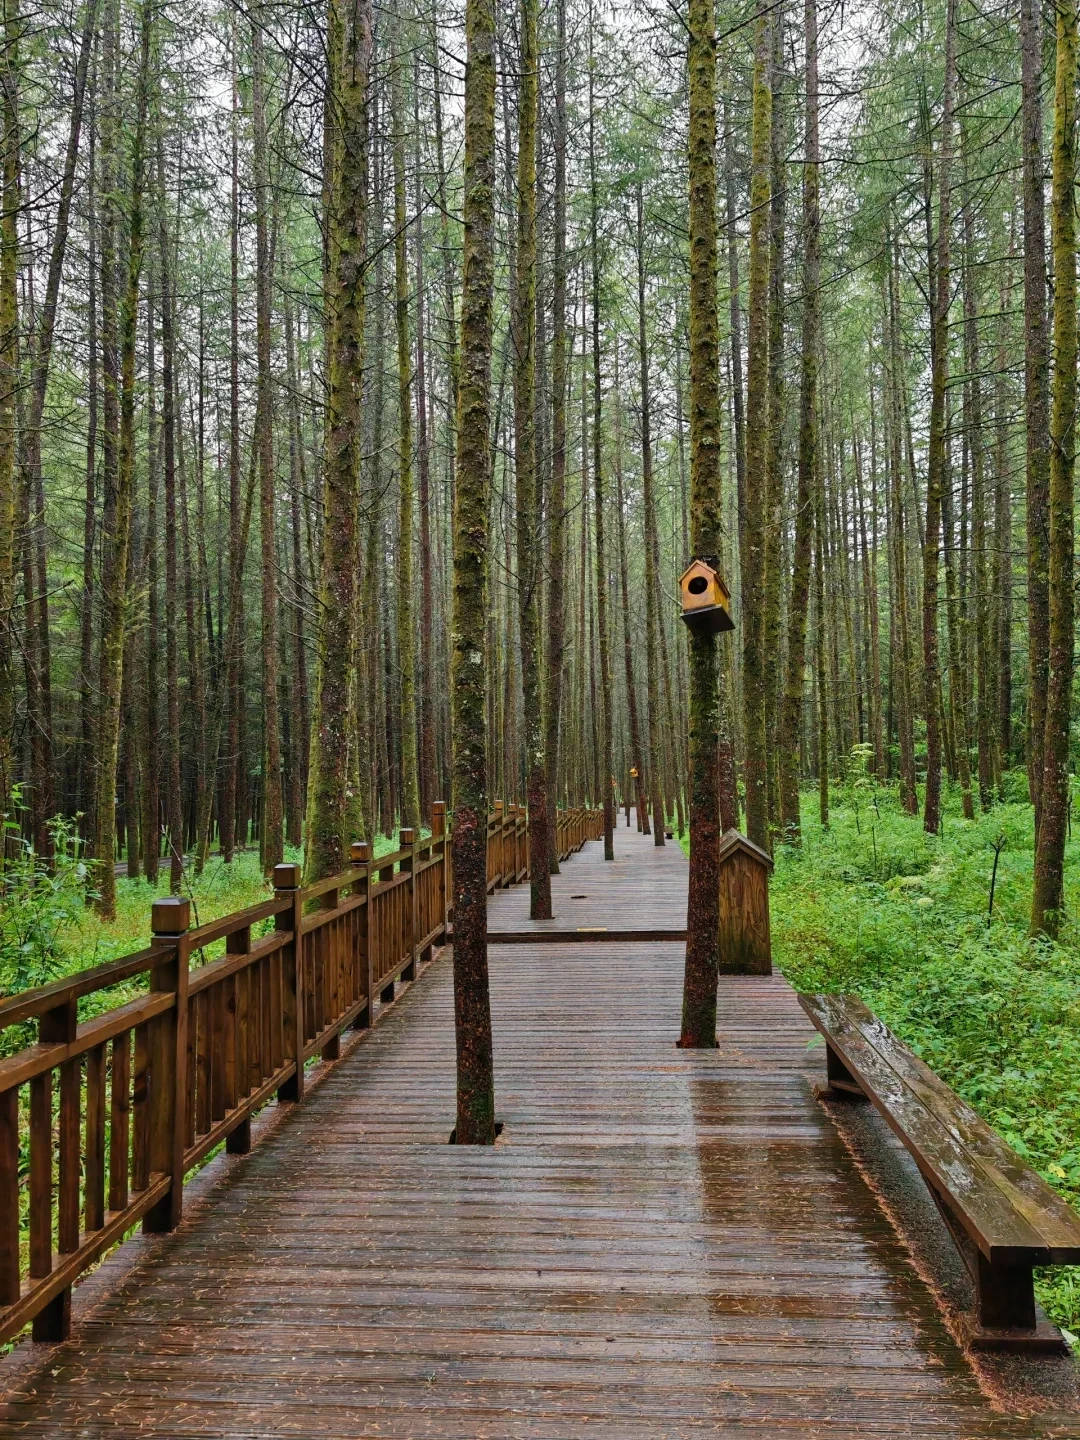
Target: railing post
{"type": "Point", "coordinates": [237, 1084]}
{"type": "Point", "coordinates": [496, 833]}
{"type": "Point", "coordinates": [407, 841]}
{"type": "Point", "coordinates": [360, 854]}
{"type": "Point", "coordinates": [168, 1060]}
{"type": "Point", "coordinates": [287, 887]}
{"type": "Point", "coordinates": [55, 1027]}
{"type": "Point", "coordinates": [438, 834]}
{"type": "Point", "coordinates": [322, 963]}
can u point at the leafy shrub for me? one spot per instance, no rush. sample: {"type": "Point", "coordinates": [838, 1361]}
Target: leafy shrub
{"type": "Point", "coordinates": [39, 908]}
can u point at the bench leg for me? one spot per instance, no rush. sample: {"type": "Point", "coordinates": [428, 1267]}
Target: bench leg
{"type": "Point", "coordinates": [842, 1084]}
{"type": "Point", "coordinates": [1006, 1296]}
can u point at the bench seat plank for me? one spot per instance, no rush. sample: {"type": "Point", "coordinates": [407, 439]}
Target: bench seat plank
{"type": "Point", "coordinates": [973, 1189]}
{"type": "Point", "coordinates": [1044, 1209]}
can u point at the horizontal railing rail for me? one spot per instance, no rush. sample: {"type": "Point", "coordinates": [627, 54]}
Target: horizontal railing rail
{"type": "Point", "coordinates": [102, 1118]}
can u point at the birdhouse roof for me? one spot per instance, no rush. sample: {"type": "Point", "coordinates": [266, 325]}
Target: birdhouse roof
{"type": "Point", "coordinates": [733, 840]}
{"type": "Point", "coordinates": [702, 567]}
{"type": "Point", "coordinates": [695, 567]}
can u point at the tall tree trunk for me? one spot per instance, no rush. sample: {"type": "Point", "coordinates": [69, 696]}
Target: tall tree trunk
{"type": "Point", "coordinates": [403, 579]}
{"type": "Point", "coordinates": [984, 656]}
{"type": "Point", "coordinates": [233, 800]}
{"type": "Point", "coordinates": [173, 794]}
{"type": "Point", "coordinates": [637, 758]}
{"type": "Point", "coordinates": [795, 675]}
{"type": "Point", "coordinates": [152, 779]}
{"type": "Point", "coordinates": [648, 505]}
{"type": "Point", "coordinates": [472, 1006]}
{"type": "Point", "coordinates": [1048, 894]}
{"type": "Point", "coordinates": [527, 508]}
{"type": "Point", "coordinates": [1036, 393]}
{"type": "Point", "coordinates": [823, 686]}
{"type": "Point", "coordinates": [735, 318]}
{"type": "Point", "coordinates": [703, 907]}
{"type": "Point", "coordinates": [349, 60]}
{"type": "Point", "coordinates": [775, 452]}
{"type": "Point", "coordinates": [9, 380]}
{"type": "Point", "coordinates": [116, 540]}
{"type": "Point", "coordinates": [753, 568]}
{"type": "Point", "coordinates": [902, 662]}
{"type": "Point", "coordinates": [554, 740]}
{"type": "Point", "coordinates": [607, 761]}
{"type": "Point", "coordinates": [271, 835]}
{"type": "Point", "coordinates": [428, 688]}
{"type": "Point", "coordinates": [937, 459]}
{"type": "Point", "coordinates": [1003, 560]}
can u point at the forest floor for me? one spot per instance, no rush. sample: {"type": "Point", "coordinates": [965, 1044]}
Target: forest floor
{"type": "Point", "coordinates": [875, 907]}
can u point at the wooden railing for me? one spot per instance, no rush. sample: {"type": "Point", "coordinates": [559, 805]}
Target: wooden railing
{"type": "Point", "coordinates": [508, 840]}
{"type": "Point", "coordinates": [231, 1013]}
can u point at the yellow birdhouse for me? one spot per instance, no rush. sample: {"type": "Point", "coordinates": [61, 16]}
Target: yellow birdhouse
{"type": "Point", "coordinates": [706, 600]}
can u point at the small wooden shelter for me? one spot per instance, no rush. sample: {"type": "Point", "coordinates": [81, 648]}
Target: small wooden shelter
{"type": "Point", "coordinates": [706, 600]}
{"type": "Point", "coordinates": [745, 942]}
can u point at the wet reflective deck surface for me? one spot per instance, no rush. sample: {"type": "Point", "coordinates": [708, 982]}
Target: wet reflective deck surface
{"type": "Point", "coordinates": [663, 1243]}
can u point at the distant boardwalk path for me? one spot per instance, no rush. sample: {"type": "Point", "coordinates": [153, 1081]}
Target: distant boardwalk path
{"type": "Point", "coordinates": [663, 1243]}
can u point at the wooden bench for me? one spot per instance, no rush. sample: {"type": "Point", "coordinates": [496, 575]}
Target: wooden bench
{"type": "Point", "coordinates": [1004, 1217]}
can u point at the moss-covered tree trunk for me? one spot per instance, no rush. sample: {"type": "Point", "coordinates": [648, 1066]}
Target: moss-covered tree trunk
{"type": "Point", "coordinates": [633, 716]}
{"type": "Point", "coordinates": [429, 688]}
{"type": "Point", "coordinates": [9, 378]}
{"type": "Point", "coordinates": [472, 1005]}
{"type": "Point", "coordinates": [820, 669]}
{"type": "Point", "coordinates": [755, 664]}
{"type": "Point", "coordinates": [937, 457]}
{"type": "Point", "coordinates": [271, 832]}
{"type": "Point", "coordinates": [703, 907]}
{"type": "Point", "coordinates": [1036, 391]}
{"type": "Point", "coordinates": [606, 756]}
{"type": "Point", "coordinates": [349, 41]}
{"type": "Point", "coordinates": [985, 652]}
{"type": "Point", "coordinates": [798, 605]}
{"type": "Point", "coordinates": [117, 538]}
{"type": "Point", "coordinates": [230, 800]}
{"type": "Point", "coordinates": [655, 774]}
{"type": "Point", "coordinates": [403, 577]}
{"type": "Point", "coordinates": [776, 452]}
{"type": "Point", "coordinates": [527, 509]}
{"type": "Point", "coordinates": [554, 743]}
{"type": "Point", "coordinates": [1048, 895]}
{"type": "Point", "coordinates": [901, 662]}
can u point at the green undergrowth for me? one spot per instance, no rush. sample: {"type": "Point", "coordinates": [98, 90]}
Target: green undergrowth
{"type": "Point", "coordinates": [875, 907]}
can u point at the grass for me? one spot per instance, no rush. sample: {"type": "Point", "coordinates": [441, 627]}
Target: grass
{"type": "Point", "coordinates": [875, 907]}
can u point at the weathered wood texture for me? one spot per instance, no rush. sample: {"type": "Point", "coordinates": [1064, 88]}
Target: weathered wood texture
{"type": "Point", "coordinates": [1004, 1217]}
{"type": "Point", "coordinates": [745, 946]}
{"type": "Point", "coordinates": [231, 1016]}
{"type": "Point", "coordinates": [664, 1243]}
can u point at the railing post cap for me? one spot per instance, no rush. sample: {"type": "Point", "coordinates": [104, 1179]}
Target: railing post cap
{"type": "Point", "coordinates": [407, 836]}
{"type": "Point", "coordinates": [286, 877]}
{"type": "Point", "coordinates": [170, 915]}
{"type": "Point", "coordinates": [498, 807]}
{"type": "Point", "coordinates": [360, 852]}
{"type": "Point", "coordinates": [439, 807]}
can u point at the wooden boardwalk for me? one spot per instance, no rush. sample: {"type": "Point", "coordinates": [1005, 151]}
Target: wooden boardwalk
{"type": "Point", "coordinates": [663, 1243]}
